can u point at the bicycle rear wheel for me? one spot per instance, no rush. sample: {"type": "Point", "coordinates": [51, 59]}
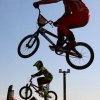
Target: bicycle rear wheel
{"type": "Point", "coordinates": [28, 46]}
{"type": "Point", "coordinates": [86, 56]}
{"type": "Point", "coordinates": [25, 92]}
{"type": "Point", "coordinates": [51, 96]}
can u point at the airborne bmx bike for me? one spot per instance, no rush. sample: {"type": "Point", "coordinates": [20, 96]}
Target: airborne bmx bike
{"type": "Point", "coordinates": [26, 92]}
{"type": "Point", "coordinates": [80, 57]}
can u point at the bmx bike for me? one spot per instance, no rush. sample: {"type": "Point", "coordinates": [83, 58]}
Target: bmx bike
{"type": "Point", "coordinates": [79, 57]}
{"type": "Point", "coordinates": [26, 92]}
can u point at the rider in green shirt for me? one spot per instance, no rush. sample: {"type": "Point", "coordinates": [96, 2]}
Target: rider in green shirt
{"type": "Point", "coordinates": [46, 78]}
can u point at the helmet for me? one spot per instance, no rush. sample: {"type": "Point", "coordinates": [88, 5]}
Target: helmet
{"type": "Point", "coordinates": [38, 64]}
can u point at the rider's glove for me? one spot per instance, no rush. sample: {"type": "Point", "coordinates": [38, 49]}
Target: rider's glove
{"type": "Point", "coordinates": [32, 76]}
{"type": "Point", "coordinates": [55, 23]}
{"type": "Point", "coordinates": [36, 5]}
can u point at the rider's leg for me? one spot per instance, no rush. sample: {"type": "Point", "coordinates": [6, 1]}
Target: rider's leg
{"type": "Point", "coordinates": [69, 36]}
{"type": "Point", "coordinates": [59, 41]}
{"type": "Point", "coordinates": [41, 81]}
{"type": "Point", "coordinates": [76, 20]}
{"type": "Point", "coordinates": [71, 40]}
{"type": "Point", "coordinates": [60, 38]}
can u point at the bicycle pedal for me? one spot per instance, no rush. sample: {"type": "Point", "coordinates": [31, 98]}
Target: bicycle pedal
{"type": "Point", "coordinates": [41, 94]}
{"type": "Point", "coordinates": [52, 48]}
{"type": "Point", "coordinates": [60, 49]}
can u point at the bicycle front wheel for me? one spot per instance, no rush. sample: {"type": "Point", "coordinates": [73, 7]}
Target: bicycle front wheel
{"type": "Point", "coordinates": [25, 92]}
{"type": "Point", "coordinates": [86, 56]}
{"type": "Point", "coordinates": [51, 96]}
{"type": "Point", "coordinates": [28, 46]}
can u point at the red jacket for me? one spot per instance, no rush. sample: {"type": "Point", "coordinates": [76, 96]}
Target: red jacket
{"type": "Point", "coordinates": [75, 5]}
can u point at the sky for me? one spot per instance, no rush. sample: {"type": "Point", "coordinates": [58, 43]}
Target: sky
{"type": "Point", "coordinates": [18, 19]}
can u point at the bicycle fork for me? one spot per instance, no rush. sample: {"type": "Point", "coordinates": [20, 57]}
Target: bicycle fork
{"type": "Point", "coordinates": [26, 91]}
{"type": "Point", "coordinates": [32, 40]}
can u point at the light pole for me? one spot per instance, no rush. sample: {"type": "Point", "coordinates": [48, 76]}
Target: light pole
{"type": "Point", "coordinates": [64, 81]}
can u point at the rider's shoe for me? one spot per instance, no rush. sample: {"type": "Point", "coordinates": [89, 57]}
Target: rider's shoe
{"type": "Point", "coordinates": [47, 95]}
{"type": "Point", "coordinates": [52, 47]}
{"type": "Point", "coordinates": [55, 47]}
{"type": "Point", "coordinates": [39, 92]}
{"type": "Point", "coordinates": [70, 45]}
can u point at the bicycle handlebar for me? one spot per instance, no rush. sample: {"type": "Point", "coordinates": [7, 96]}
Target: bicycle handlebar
{"type": "Point", "coordinates": [48, 22]}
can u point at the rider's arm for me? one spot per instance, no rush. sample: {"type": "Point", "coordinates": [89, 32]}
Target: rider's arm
{"type": "Point", "coordinates": [37, 74]}
{"type": "Point", "coordinates": [48, 1]}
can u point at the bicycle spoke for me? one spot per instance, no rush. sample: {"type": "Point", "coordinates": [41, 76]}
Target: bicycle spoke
{"type": "Point", "coordinates": [25, 49]}
{"type": "Point", "coordinates": [76, 59]}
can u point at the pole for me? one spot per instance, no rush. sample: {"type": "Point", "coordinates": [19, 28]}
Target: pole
{"type": "Point", "coordinates": [64, 81]}
{"type": "Point", "coordinates": [64, 84]}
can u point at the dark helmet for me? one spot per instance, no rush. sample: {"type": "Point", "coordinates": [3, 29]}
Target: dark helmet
{"type": "Point", "coordinates": [38, 64]}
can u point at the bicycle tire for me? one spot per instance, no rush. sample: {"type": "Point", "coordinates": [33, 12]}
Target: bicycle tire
{"type": "Point", "coordinates": [23, 96]}
{"type": "Point", "coordinates": [80, 67]}
{"type": "Point", "coordinates": [33, 51]}
{"type": "Point", "coordinates": [51, 92]}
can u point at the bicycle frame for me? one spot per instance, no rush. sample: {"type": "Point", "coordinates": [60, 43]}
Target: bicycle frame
{"type": "Point", "coordinates": [36, 87]}
{"type": "Point", "coordinates": [43, 32]}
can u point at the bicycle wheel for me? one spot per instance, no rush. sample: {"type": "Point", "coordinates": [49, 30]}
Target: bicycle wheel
{"type": "Point", "coordinates": [51, 96]}
{"type": "Point", "coordinates": [28, 46]}
{"type": "Point", "coordinates": [25, 92]}
{"type": "Point", "coordinates": [86, 59]}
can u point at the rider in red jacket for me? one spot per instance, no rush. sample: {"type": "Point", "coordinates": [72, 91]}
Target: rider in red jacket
{"type": "Point", "coordinates": [76, 15]}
